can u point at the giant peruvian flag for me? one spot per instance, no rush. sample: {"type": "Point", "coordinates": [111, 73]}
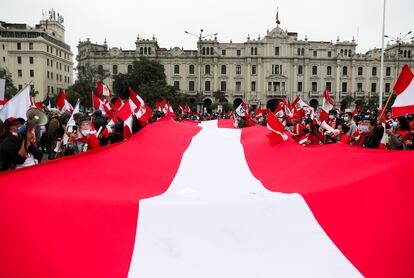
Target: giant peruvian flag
{"type": "Point", "coordinates": [404, 88]}
{"type": "Point", "coordinates": [257, 214]}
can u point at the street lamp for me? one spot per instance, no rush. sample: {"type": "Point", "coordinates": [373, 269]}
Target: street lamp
{"type": "Point", "coordinates": [200, 38]}
{"type": "Point", "coordinates": [399, 40]}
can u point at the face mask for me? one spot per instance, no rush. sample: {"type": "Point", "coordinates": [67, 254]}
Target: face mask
{"type": "Point", "coordinates": [331, 117]}
{"type": "Point", "coordinates": [15, 134]}
{"type": "Point", "coordinates": [364, 128]}
{"type": "Point", "coordinates": [395, 125]}
{"type": "Point", "coordinates": [346, 119]}
{"type": "Point", "coordinates": [85, 132]}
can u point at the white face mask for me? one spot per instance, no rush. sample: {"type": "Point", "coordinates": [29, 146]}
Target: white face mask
{"type": "Point", "coordinates": [85, 132]}
{"type": "Point", "coordinates": [331, 117]}
{"type": "Point", "coordinates": [15, 134]}
{"type": "Point", "coordinates": [346, 119]}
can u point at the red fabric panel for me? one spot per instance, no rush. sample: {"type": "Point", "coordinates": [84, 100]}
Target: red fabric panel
{"type": "Point", "coordinates": [402, 110]}
{"type": "Point", "coordinates": [225, 123]}
{"type": "Point", "coordinates": [362, 198]}
{"type": "Point", "coordinates": [77, 217]}
{"type": "Point", "coordinates": [405, 78]}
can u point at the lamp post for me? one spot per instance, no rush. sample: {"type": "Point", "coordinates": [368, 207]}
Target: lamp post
{"type": "Point", "coordinates": [200, 38]}
{"type": "Point", "coordinates": [399, 40]}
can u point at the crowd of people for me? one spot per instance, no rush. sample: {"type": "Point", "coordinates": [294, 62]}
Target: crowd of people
{"type": "Point", "coordinates": [367, 129]}
{"type": "Point", "coordinates": [21, 146]}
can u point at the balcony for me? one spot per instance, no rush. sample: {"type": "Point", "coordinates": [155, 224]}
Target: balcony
{"type": "Point", "coordinates": [314, 94]}
{"type": "Point", "coordinates": [207, 93]}
{"type": "Point", "coordinates": [359, 93]}
{"type": "Point", "coordinates": [344, 94]}
{"type": "Point", "coordinates": [276, 93]}
{"type": "Point", "coordinates": [238, 93]}
{"type": "Point", "coordinates": [190, 93]}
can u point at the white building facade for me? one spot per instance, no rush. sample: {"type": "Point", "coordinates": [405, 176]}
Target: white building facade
{"type": "Point", "coordinates": [259, 70]}
{"type": "Point", "coordinates": [37, 54]}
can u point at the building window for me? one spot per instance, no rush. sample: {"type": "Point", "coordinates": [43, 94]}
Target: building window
{"type": "Point", "coordinates": [238, 86]}
{"type": "Point", "coordinates": [387, 87]}
{"type": "Point", "coordinates": [191, 86]}
{"type": "Point", "coordinates": [31, 73]}
{"type": "Point", "coordinates": [255, 51]}
{"type": "Point", "coordinates": [276, 69]}
{"type": "Point", "coordinates": [328, 70]}
{"type": "Point", "coordinates": [300, 69]}
{"type": "Point", "coordinates": [302, 52]}
{"type": "Point", "coordinates": [344, 87]}
{"type": "Point", "coordinates": [314, 86]}
{"type": "Point", "coordinates": [48, 74]}
{"type": "Point", "coordinates": [238, 69]}
{"type": "Point", "coordinates": [276, 51]}
{"type": "Point", "coordinates": [114, 69]}
{"type": "Point", "coordinates": [252, 51]}
{"type": "Point", "coordinates": [30, 46]}
{"type": "Point", "coordinates": [100, 69]}
{"type": "Point", "coordinates": [20, 86]}
{"type": "Point", "coordinates": [315, 53]}
{"type": "Point", "coordinates": [203, 51]}
{"type": "Point", "coordinates": [19, 46]}
{"type": "Point", "coordinates": [328, 86]}
{"type": "Point", "coordinates": [314, 70]}
{"type": "Point", "coordinates": [253, 86]}
{"type": "Point", "coordinates": [223, 52]}
{"type": "Point", "coordinates": [19, 73]}
{"type": "Point", "coordinates": [374, 71]}
{"type": "Point", "coordinates": [3, 46]}
{"type": "Point", "coordinates": [176, 69]}
{"type": "Point", "coordinates": [329, 54]}
{"type": "Point", "coordinates": [207, 86]}
{"type": "Point", "coordinates": [31, 60]}
{"type": "Point", "coordinates": [208, 69]}
{"type": "Point", "coordinates": [388, 71]}
{"type": "Point", "coordinates": [191, 69]}
{"type": "Point", "coordinates": [149, 50]}
{"type": "Point", "coordinates": [349, 52]}
{"type": "Point", "coordinates": [223, 86]}
{"type": "Point", "coordinates": [373, 87]}
{"type": "Point", "coordinates": [298, 51]}
{"type": "Point", "coordinates": [19, 59]}
{"type": "Point", "coordinates": [359, 87]}
{"type": "Point", "coordinates": [129, 68]}
{"type": "Point", "coordinates": [238, 52]}
{"type": "Point", "coordinates": [51, 75]}
{"type": "Point", "coordinates": [360, 71]}
{"type": "Point", "coordinates": [223, 69]}
{"type": "Point", "coordinates": [211, 51]}
{"type": "Point", "coordinates": [253, 69]}
{"type": "Point", "coordinates": [141, 50]}
{"type": "Point", "coordinates": [177, 85]}
{"type": "Point", "coordinates": [4, 59]}
{"type": "Point", "coordinates": [208, 51]}
{"type": "Point", "coordinates": [300, 87]}
{"type": "Point", "coordinates": [345, 71]}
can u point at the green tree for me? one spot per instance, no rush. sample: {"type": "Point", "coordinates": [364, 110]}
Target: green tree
{"type": "Point", "coordinates": [11, 90]}
{"type": "Point", "coordinates": [148, 79]}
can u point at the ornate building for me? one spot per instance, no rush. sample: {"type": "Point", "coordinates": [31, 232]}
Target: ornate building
{"type": "Point", "coordinates": [262, 69]}
{"type": "Point", "coordinates": [37, 54]}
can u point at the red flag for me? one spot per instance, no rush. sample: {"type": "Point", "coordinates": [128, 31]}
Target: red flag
{"type": "Point", "coordinates": [118, 103]}
{"type": "Point", "coordinates": [103, 90]}
{"type": "Point", "coordinates": [404, 88]}
{"type": "Point", "coordinates": [278, 134]}
{"type": "Point", "coordinates": [327, 105]}
{"type": "Point", "coordinates": [125, 114]}
{"type": "Point", "coordinates": [63, 104]}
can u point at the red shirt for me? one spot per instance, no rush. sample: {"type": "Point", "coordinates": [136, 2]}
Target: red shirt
{"type": "Point", "coordinates": [344, 139]}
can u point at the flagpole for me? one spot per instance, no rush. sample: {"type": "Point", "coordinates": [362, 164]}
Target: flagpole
{"type": "Point", "coordinates": [382, 58]}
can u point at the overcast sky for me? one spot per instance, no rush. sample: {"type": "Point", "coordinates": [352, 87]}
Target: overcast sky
{"type": "Point", "coordinates": [120, 21]}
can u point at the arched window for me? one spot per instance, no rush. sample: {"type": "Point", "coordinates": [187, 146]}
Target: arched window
{"type": "Point", "coordinates": [253, 69]}
{"type": "Point", "coordinates": [405, 53]}
{"type": "Point", "coordinates": [349, 52]}
{"type": "Point", "coordinates": [345, 71]}
{"type": "Point", "coordinates": [303, 52]}
{"type": "Point", "coordinates": [314, 70]}
{"type": "Point", "coordinates": [328, 70]}
{"type": "Point", "coordinates": [255, 51]}
{"type": "Point", "coordinates": [207, 69]}
{"type": "Point", "coordinates": [141, 50]}
{"type": "Point", "coordinates": [129, 68]}
{"type": "Point", "coordinates": [149, 50]}
{"type": "Point", "coordinates": [115, 69]}
{"type": "Point", "coordinates": [208, 51]}
{"type": "Point", "coordinates": [238, 69]}
{"type": "Point", "coordinates": [223, 69]}
{"type": "Point", "coordinates": [211, 51]}
{"type": "Point", "coordinates": [191, 69]}
{"type": "Point", "coordinates": [176, 69]}
{"type": "Point", "coordinates": [145, 51]}
{"type": "Point", "coordinates": [204, 51]}
{"type": "Point", "coordinates": [346, 52]}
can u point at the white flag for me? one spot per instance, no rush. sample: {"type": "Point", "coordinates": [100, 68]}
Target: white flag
{"type": "Point", "coordinates": [17, 106]}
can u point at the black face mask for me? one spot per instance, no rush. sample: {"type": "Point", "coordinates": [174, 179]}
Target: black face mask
{"type": "Point", "coordinates": [305, 130]}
